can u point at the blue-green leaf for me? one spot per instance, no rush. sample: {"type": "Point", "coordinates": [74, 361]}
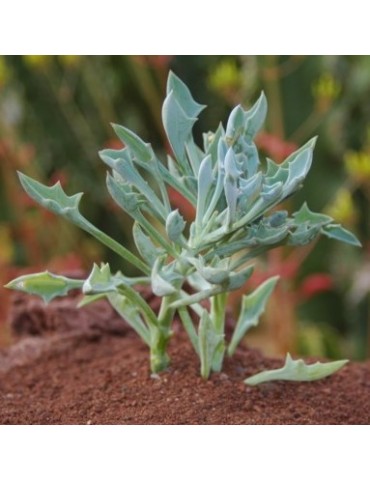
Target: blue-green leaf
{"type": "Point", "coordinates": [337, 232]}
{"type": "Point", "coordinates": [123, 195]}
{"type": "Point", "coordinates": [209, 342]}
{"type": "Point", "coordinates": [235, 125]}
{"type": "Point", "coordinates": [183, 96]}
{"type": "Point", "coordinates": [45, 284]}
{"type": "Point", "coordinates": [130, 312]}
{"type": "Point", "coordinates": [238, 279]}
{"type": "Point", "coordinates": [205, 183]}
{"type": "Point", "coordinates": [143, 151]}
{"type": "Point", "coordinates": [297, 371]}
{"type": "Point", "coordinates": [175, 225]}
{"type": "Point", "coordinates": [101, 280]}
{"type": "Point", "coordinates": [145, 246]}
{"type": "Point", "coordinates": [127, 170]}
{"type": "Point", "coordinates": [178, 126]}
{"type": "Point", "coordinates": [53, 198]}
{"type": "Point", "coordinates": [305, 215]}
{"type": "Point", "coordinates": [160, 286]}
{"type": "Point", "coordinates": [255, 117]}
{"type": "Point", "coordinates": [253, 305]}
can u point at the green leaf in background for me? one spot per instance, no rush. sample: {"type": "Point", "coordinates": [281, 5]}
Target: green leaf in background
{"type": "Point", "coordinates": [297, 371]}
{"type": "Point", "coordinates": [45, 284]}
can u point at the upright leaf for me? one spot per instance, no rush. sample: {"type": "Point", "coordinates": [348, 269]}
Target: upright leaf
{"type": "Point", "coordinates": [209, 342]}
{"type": "Point", "coordinates": [255, 117]}
{"type": "Point", "coordinates": [253, 305]}
{"type": "Point", "coordinates": [145, 246]}
{"type": "Point", "coordinates": [175, 225]}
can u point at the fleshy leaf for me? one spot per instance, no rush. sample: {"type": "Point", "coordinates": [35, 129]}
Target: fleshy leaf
{"type": "Point", "coordinates": [238, 279]}
{"type": "Point", "coordinates": [53, 198]}
{"type": "Point", "coordinates": [235, 125]}
{"type": "Point", "coordinates": [304, 214]}
{"type": "Point", "coordinates": [145, 245]}
{"type": "Point", "coordinates": [160, 286]}
{"type": "Point", "coordinates": [140, 149]}
{"type": "Point", "coordinates": [123, 195]}
{"type": "Point", "coordinates": [337, 232]}
{"type": "Point", "coordinates": [253, 305]}
{"type": "Point", "coordinates": [183, 96]}
{"type": "Point", "coordinates": [45, 284]}
{"type": "Point", "coordinates": [127, 170]}
{"type": "Point", "coordinates": [178, 126]}
{"type": "Point", "coordinates": [256, 116]}
{"type": "Point", "coordinates": [209, 341]}
{"type": "Point", "coordinates": [100, 280]}
{"type": "Point", "coordinates": [205, 182]}
{"type": "Point", "coordinates": [175, 225]}
{"type": "Point", "coordinates": [297, 371]}
{"type": "Point", "coordinates": [129, 311]}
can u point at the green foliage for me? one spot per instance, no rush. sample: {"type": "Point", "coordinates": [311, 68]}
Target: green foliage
{"type": "Point", "coordinates": [297, 370]}
{"type": "Point", "coordinates": [236, 221]}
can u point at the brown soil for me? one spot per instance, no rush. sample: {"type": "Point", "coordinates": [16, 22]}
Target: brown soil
{"type": "Point", "coordinates": [85, 366]}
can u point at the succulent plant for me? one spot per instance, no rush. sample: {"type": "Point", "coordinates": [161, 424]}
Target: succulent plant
{"type": "Point", "coordinates": [235, 197]}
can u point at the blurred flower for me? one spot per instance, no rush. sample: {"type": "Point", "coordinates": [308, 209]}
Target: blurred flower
{"type": "Point", "coordinates": [11, 107]}
{"type": "Point", "coordinates": [314, 284]}
{"type": "Point", "coordinates": [185, 207]}
{"type": "Point", "coordinates": [156, 61]}
{"type": "Point", "coordinates": [358, 165]}
{"type": "Point", "coordinates": [275, 147]}
{"type": "Point", "coordinates": [70, 61]}
{"type": "Point", "coordinates": [37, 61]}
{"type": "Point", "coordinates": [325, 90]}
{"type": "Point", "coordinates": [343, 209]}
{"type": "Point", "coordinates": [6, 250]}
{"type": "Point", "coordinates": [4, 72]}
{"type": "Point", "coordinates": [226, 78]}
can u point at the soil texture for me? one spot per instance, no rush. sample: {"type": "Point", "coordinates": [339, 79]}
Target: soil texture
{"type": "Point", "coordinates": [85, 366]}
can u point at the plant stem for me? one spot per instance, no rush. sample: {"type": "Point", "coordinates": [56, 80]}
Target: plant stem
{"type": "Point", "coordinates": [160, 335]}
{"type": "Point", "coordinates": [189, 327]}
{"type": "Point", "coordinates": [217, 314]}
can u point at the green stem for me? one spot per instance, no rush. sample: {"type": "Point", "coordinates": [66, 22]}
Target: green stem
{"type": "Point", "coordinates": [160, 335]}
{"type": "Point", "coordinates": [84, 224]}
{"type": "Point", "coordinates": [217, 314]}
{"type": "Point", "coordinates": [138, 300]}
{"type": "Point", "coordinates": [189, 327]}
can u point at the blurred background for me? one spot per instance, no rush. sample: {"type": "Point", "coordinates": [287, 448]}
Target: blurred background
{"type": "Point", "coordinates": [55, 115]}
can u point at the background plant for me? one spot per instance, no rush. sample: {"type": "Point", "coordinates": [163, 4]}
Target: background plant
{"type": "Point", "coordinates": [233, 199]}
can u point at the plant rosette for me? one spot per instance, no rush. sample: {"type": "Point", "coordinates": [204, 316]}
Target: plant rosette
{"type": "Point", "coordinates": [237, 219]}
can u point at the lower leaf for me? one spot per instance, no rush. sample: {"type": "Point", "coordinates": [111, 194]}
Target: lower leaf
{"type": "Point", "coordinates": [297, 371]}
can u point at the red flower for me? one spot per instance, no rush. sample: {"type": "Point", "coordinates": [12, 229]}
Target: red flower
{"type": "Point", "coordinates": [314, 284]}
